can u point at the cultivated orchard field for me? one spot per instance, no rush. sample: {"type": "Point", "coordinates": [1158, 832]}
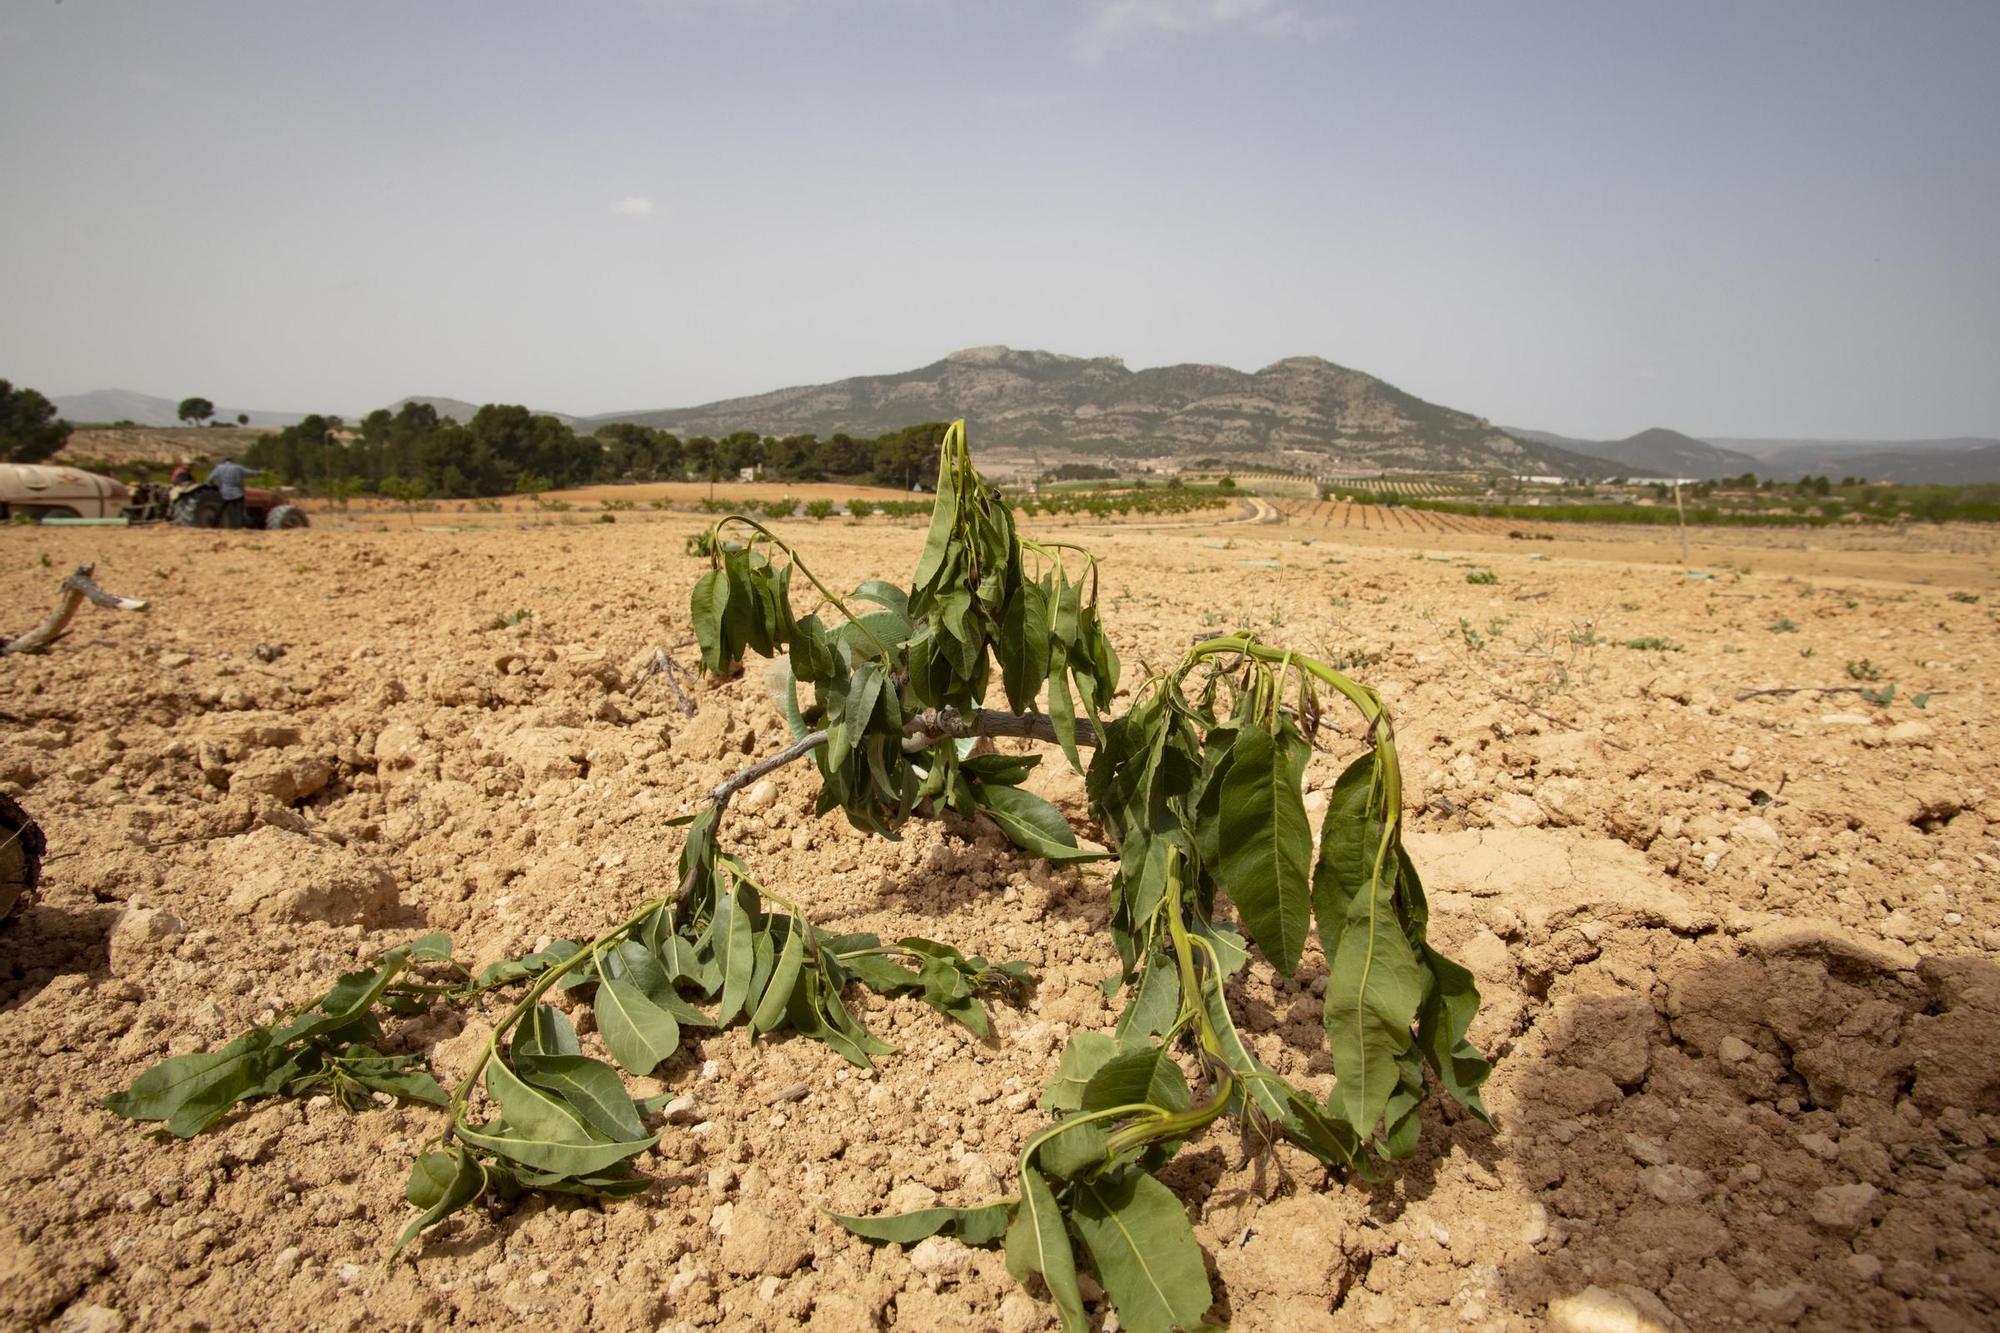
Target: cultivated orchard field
{"type": "Point", "coordinates": [1739, 957]}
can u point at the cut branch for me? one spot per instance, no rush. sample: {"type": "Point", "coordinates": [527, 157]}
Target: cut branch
{"type": "Point", "coordinates": [926, 728]}
{"type": "Point", "coordinates": [73, 591]}
{"type": "Point", "coordinates": [661, 664]}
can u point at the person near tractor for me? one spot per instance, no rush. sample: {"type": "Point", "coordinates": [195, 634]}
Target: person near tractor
{"type": "Point", "coordinates": [228, 478]}
{"type": "Point", "coordinates": [183, 474]}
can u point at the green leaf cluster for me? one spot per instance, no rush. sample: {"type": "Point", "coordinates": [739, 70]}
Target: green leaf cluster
{"type": "Point", "coordinates": [894, 657]}
{"type": "Point", "coordinates": [321, 1046]}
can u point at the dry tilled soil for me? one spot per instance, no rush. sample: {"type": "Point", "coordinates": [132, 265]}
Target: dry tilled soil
{"type": "Point", "coordinates": [1738, 954]}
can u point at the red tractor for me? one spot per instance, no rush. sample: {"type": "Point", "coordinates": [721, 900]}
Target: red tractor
{"type": "Point", "coordinates": [201, 507]}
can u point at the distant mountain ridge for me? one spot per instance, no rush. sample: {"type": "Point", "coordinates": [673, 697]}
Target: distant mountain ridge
{"type": "Point", "coordinates": [1958, 461]}
{"type": "Point", "coordinates": [461, 411]}
{"type": "Point", "coordinates": [104, 406]}
{"type": "Point", "coordinates": [1657, 452]}
{"type": "Point", "coordinates": [1301, 412]}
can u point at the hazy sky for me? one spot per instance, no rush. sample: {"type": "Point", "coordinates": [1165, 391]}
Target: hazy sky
{"type": "Point", "coordinates": [1751, 217]}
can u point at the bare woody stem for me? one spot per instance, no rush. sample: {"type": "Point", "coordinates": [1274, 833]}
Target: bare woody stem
{"type": "Point", "coordinates": [73, 590]}
{"type": "Point", "coordinates": [927, 727]}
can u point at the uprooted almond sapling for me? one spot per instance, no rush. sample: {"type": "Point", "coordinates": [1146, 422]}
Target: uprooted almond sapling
{"type": "Point", "coordinates": [1197, 786]}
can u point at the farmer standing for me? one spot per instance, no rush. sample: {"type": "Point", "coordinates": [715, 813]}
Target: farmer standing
{"type": "Point", "coordinates": [227, 478]}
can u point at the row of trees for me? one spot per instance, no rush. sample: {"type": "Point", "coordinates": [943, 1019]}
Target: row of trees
{"type": "Point", "coordinates": [507, 450]}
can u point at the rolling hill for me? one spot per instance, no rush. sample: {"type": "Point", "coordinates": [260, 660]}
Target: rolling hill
{"type": "Point", "coordinates": [459, 410]}
{"type": "Point", "coordinates": [1658, 452]}
{"type": "Point", "coordinates": [1957, 461]}
{"type": "Point", "coordinates": [104, 406]}
{"type": "Point", "coordinates": [1301, 412]}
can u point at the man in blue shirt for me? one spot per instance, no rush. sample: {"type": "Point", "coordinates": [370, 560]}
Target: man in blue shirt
{"type": "Point", "coordinates": [228, 478]}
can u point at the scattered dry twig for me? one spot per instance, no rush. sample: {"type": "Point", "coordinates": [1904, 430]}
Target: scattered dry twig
{"type": "Point", "coordinates": [660, 664]}
{"type": "Point", "coordinates": [1758, 796]}
{"type": "Point", "coordinates": [1786, 690]}
{"type": "Point", "coordinates": [74, 589]}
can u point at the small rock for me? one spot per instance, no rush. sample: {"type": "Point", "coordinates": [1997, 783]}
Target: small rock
{"type": "Point", "coordinates": [1487, 957]}
{"type": "Point", "coordinates": [802, 839]}
{"type": "Point", "coordinates": [285, 1261]}
{"type": "Point", "coordinates": [1910, 733]}
{"type": "Point", "coordinates": [90, 1319]}
{"type": "Point", "coordinates": [283, 878]}
{"type": "Point", "coordinates": [1517, 810]}
{"type": "Point", "coordinates": [935, 1256]}
{"type": "Point", "coordinates": [397, 746]}
{"type": "Point", "coordinates": [284, 777]}
{"type": "Point", "coordinates": [1739, 759]}
{"type": "Point", "coordinates": [139, 935]}
{"type": "Point", "coordinates": [1735, 1050]}
{"type": "Point", "coordinates": [1845, 1209]}
{"type": "Point", "coordinates": [1674, 1184]}
{"type": "Point", "coordinates": [1650, 1151]}
{"type": "Point", "coordinates": [1900, 925]}
{"type": "Point", "coordinates": [1535, 1225]}
{"type": "Point", "coordinates": [1597, 1310]}
{"type": "Point", "coordinates": [1778, 1305]}
{"type": "Point", "coordinates": [174, 661]}
{"type": "Point", "coordinates": [1755, 828]}
{"type": "Point", "coordinates": [1820, 1146]}
{"type": "Point", "coordinates": [762, 1245]}
{"type": "Point", "coordinates": [910, 1196]}
{"type": "Point", "coordinates": [1865, 1267]}
{"type": "Point", "coordinates": [760, 795]}
{"type": "Point", "coordinates": [453, 1057]}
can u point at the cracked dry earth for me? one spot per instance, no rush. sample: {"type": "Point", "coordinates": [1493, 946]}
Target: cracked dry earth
{"type": "Point", "coordinates": [1738, 955]}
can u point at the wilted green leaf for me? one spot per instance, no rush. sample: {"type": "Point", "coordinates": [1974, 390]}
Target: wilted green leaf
{"type": "Point", "coordinates": [1144, 1251]}
{"type": "Point", "coordinates": [591, 1088]}
{"type": "Point", "coordinates": [556, 1157]}
{"type": "Point", "coordinates": [638, 1032]}
{"type": "Point", "coordinates": [733, 933]}
{"type": "Point", "coordinates": [1085, 1054]}
{"type": "Point", "coordinates": [440, 1183]}
{"type": "Point", "coordinates": [974, 1226]}
{"type": "Point", "coordinates": [1374, 984]}
{"type": "Point", "coordinates": [1034, 825]}
{"type": "Point", "coordinates": [1038, 1242]}
{"type": "Point", "coordinates": [1266, 842]}
{"type": "Point", "coordinates": [1148, 1074]}
{"type": "Point", "coordinates": [708, 605]}
{"type": "Point", "coordinates": [778, 993]}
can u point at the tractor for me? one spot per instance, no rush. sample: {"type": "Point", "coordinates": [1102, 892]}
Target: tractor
{"type": "Point", "coordinates": [200, 506]}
